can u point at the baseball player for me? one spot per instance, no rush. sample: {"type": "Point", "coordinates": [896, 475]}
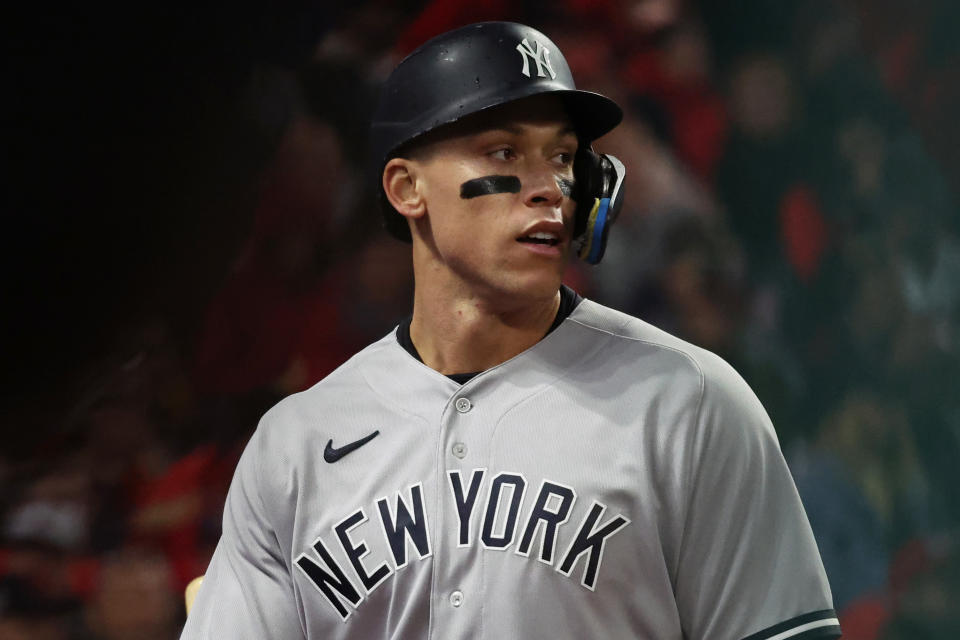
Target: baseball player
{"type": "Point", "coordinates": [513, 461]}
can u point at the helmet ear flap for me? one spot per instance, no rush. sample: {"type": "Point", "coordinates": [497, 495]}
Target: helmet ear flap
{"type": "Point", "coordinates": [598, 193]}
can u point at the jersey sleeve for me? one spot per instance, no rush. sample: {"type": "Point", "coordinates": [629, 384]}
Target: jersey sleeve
{"type": "Point", "coordinates": [748, 565]}
{"type": "Point", "coordinates": [247, 592]}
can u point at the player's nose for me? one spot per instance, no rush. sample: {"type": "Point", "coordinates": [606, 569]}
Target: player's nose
{"type": "Point", "coordinates": [541, 188]}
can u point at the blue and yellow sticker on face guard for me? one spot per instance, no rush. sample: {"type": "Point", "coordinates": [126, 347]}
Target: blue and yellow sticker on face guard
{"type": "Point", "coordinates": [592, 249]}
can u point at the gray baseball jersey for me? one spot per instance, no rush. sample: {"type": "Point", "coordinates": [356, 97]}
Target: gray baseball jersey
{"type": "Point", "coordinates": [612, 481]}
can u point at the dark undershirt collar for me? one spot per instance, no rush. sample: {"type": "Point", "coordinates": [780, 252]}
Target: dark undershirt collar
{"type": "Point", "coordinates": [569, 299]}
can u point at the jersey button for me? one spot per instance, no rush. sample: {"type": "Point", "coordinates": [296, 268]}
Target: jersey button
{"type": "Point", "coordinates": [460, 450]}
{"type": "Point", "coordinates": [456, 598]}
{"type": "Point", "coordinates": [463, 405]}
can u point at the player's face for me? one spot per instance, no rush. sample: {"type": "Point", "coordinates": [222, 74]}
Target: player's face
{"type": "Point", "coordinates": [499, 215]}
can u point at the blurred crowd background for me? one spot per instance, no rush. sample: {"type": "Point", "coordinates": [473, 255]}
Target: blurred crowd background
{"type": "Point", "coordinates": [190, 236]}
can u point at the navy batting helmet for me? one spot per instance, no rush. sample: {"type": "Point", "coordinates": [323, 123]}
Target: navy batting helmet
{"type": "Point", "coordinates": [485, 65]}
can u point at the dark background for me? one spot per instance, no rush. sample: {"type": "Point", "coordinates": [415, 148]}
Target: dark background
{"type": "Point", "coordinates": [189, 237]}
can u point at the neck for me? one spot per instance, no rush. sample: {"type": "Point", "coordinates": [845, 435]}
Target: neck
{"type": "Point", "coordinates": [461, 332]}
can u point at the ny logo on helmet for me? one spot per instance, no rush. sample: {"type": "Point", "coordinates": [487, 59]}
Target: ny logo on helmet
{"type": "Point", "coordinates": [540, 55]}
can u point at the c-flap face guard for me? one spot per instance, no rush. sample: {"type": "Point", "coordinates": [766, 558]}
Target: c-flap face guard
{"type": "Point", "coordinates": [598, 204]}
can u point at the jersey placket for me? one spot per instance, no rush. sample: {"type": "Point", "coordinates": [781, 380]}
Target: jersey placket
{"type": "Point", "coordinates": [458, 580]}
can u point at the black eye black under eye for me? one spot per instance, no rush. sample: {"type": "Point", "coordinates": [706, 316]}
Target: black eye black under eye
{"type": "Point", "coordinates": [489, 185]}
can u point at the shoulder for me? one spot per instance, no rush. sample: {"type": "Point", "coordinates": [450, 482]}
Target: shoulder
{"type": "Point", "coordinates": [292, 434]}
{"type": "Point", "coordinates": [646, 349]}
{"type": "Point", "coordinates": [327, 400]}
{"type": "Point", "coordinates": [714, 400]}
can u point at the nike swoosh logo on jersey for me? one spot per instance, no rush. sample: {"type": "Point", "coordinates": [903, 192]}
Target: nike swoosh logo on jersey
{"type": "Point", "coordinates": [330, 454]}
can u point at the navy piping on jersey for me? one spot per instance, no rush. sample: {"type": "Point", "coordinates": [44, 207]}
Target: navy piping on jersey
{"type": "Point", "coordinates": [818, 625]}
{"type": "Point", "coordinates": [569, 299]}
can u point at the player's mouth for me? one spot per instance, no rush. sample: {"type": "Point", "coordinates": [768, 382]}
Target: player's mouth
{"type": "Point", "coordinates": [545, 237]}
{"type": "Point", "coordinates": [540, 237]}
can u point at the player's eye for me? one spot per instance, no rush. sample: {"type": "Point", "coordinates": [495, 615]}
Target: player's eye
{"type": "Point", "coordinates": [505, 153]}
{"type": "Point", "coordinates": [564, 159]}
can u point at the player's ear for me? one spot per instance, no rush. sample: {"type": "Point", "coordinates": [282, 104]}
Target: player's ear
{"type": "Point", "coordinates": [403, 189]}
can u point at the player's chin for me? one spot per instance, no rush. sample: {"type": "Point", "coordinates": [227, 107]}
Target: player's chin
{"type": "Point", "coordinates": [539, 280]}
